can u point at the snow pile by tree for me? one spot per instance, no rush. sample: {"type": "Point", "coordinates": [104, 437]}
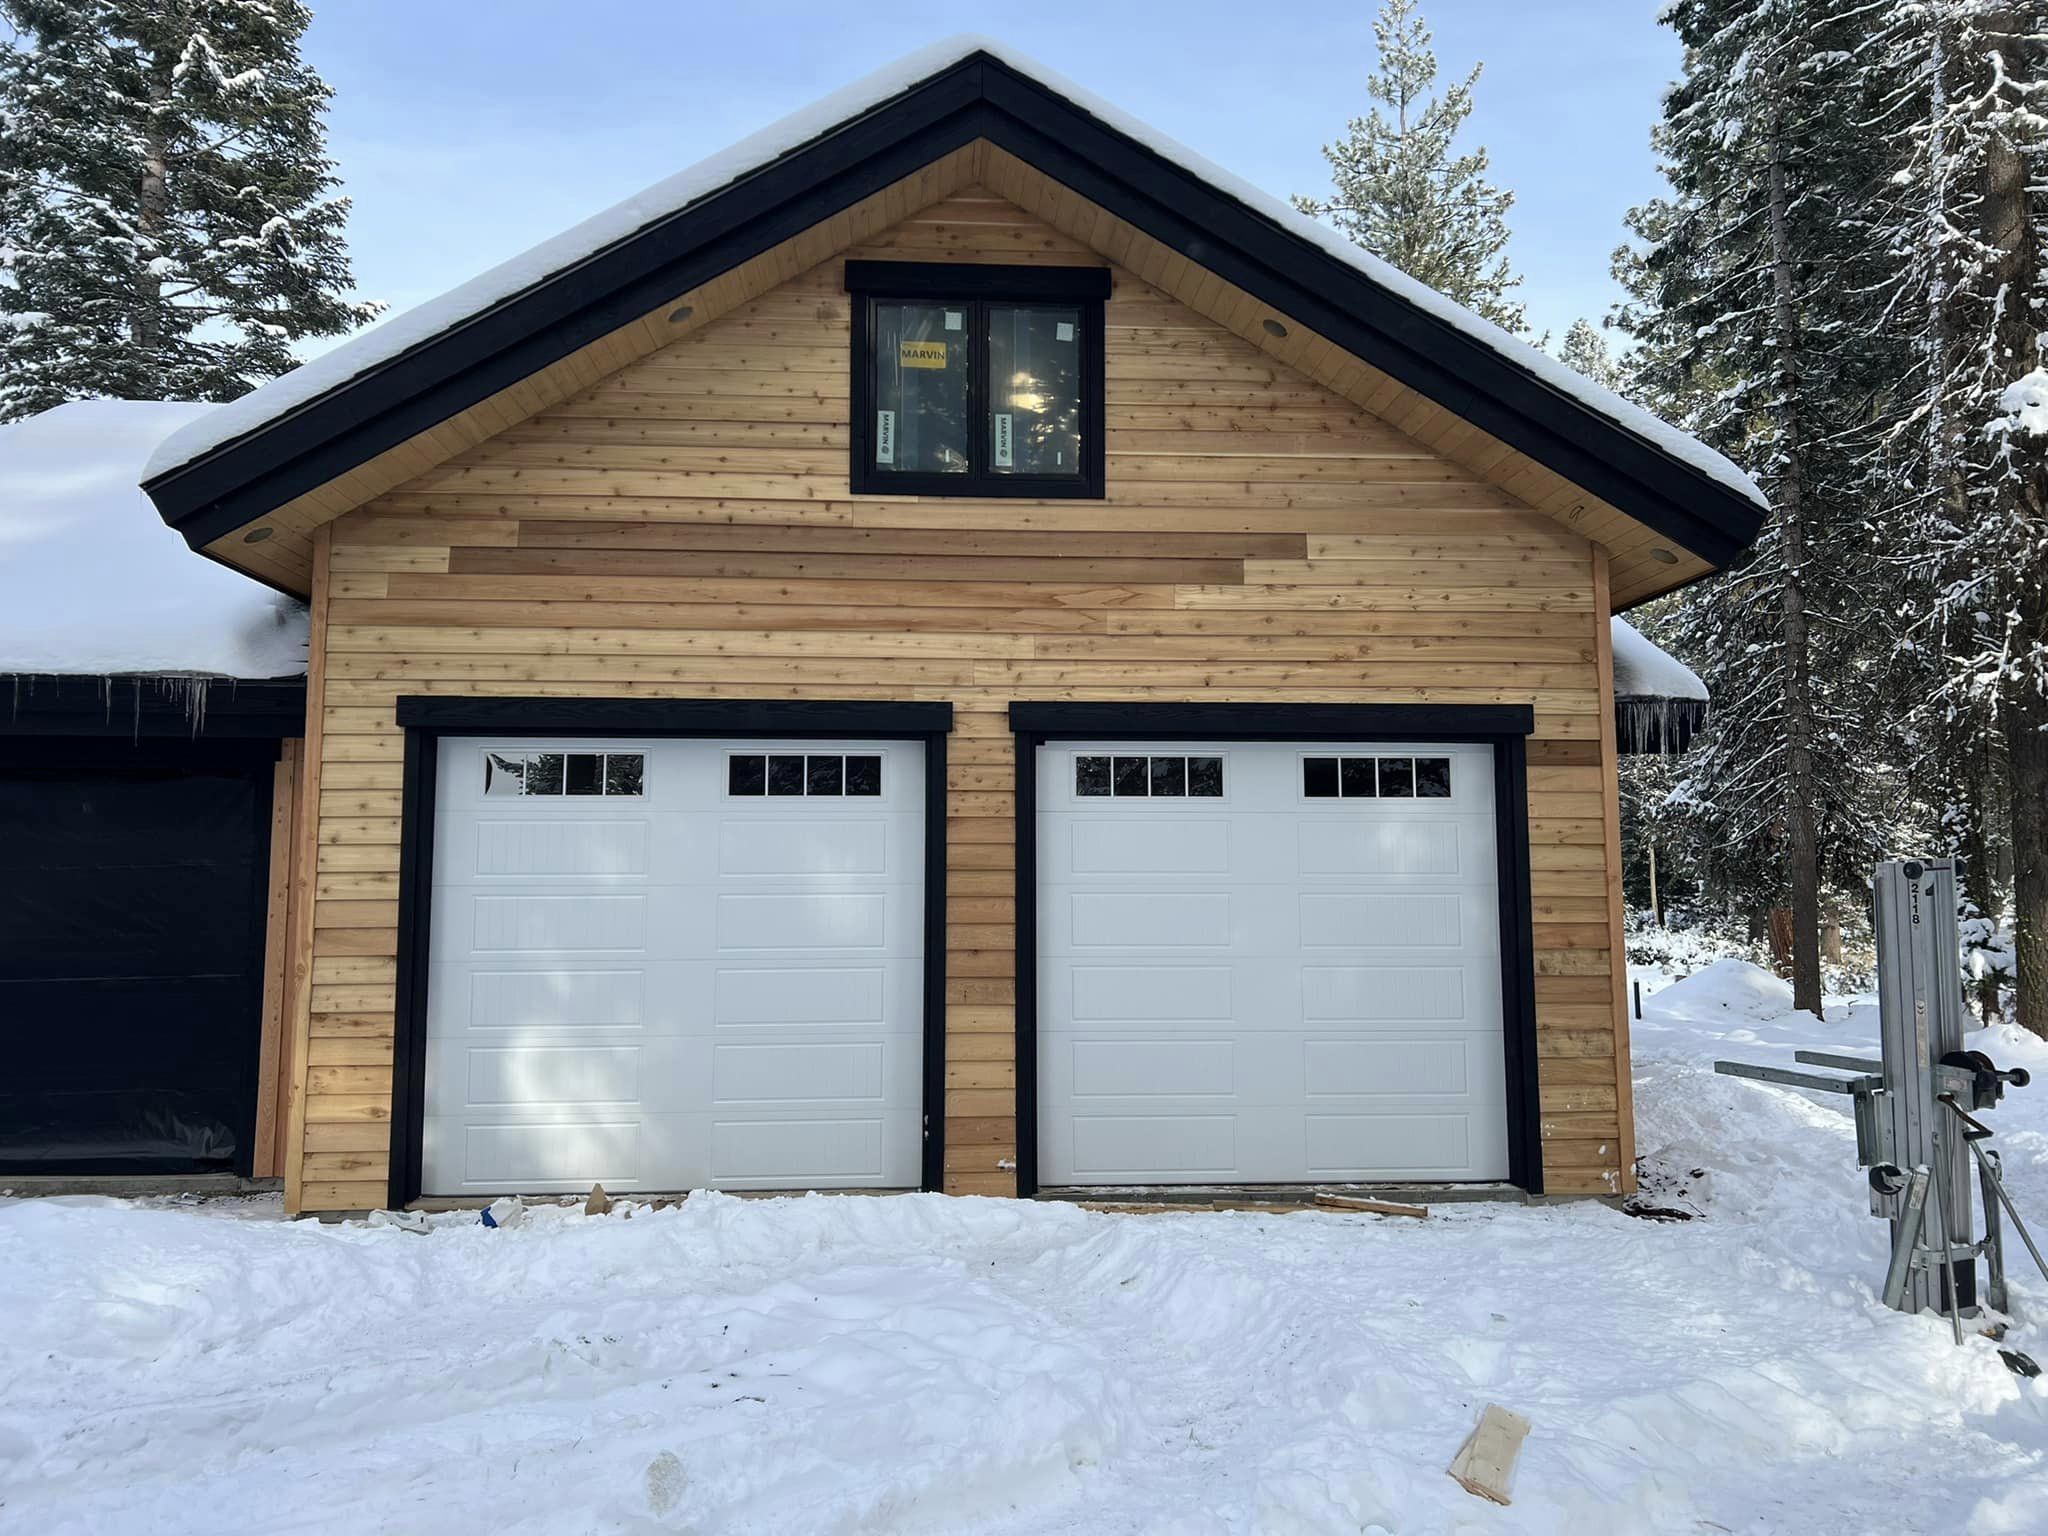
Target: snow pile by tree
{"type": "Point", "coordinates": [92, 582]}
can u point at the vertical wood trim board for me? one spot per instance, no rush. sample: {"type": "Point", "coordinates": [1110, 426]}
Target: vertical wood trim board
{"type": "Point", "coordinates": [1617, 909]}
{"type": "Point", "coordinates": [305, 881]}
{"type": "Point", "coordinates": [277, 950]}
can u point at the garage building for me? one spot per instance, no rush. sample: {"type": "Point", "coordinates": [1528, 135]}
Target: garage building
{"type": "Point", "coordinates": [954, 646]}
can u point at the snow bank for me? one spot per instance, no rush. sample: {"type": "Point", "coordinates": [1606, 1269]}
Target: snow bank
{"type": "Point", "coordinates": [401, 333]}
{"type": "Point", "coordinates": [92, 582]}
{"type": "Point", "coordinates": [1643, 670]}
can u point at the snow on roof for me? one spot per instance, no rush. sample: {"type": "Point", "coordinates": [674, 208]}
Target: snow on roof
{"type": "Point", "coordinates": [1642, 671]}
{"type": "Point", "coordinates": [402, 333]}
{"type": "Point", "coordinates": [92, 582]}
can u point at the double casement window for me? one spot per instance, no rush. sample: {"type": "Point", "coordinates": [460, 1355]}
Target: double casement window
{"type": "Point", "coordinates": [974, 380]}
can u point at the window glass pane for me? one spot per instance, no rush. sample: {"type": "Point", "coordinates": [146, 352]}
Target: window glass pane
{"type": "Point", "coordinates": [863, 775]}
{"type": "Point", "coordinates": [544, 773]}
{"type": "Point", "coordinates": [1034, 385]}
{"type": "Point", "coordinates": [1132, 775]}
{"type": "Point", "coordinates": [920, 404]}
{"type": "Point", "coordinates": [1319, 778]}
{"type": "Point", "coordinates": [586, 773]}
{"type": "Point", "coordinates": [825, 775]}
{"type": "Point", "coordinates": [504, 775]}
{"type": "Point", "coordinates": [1356, 777]}
{"type": "Point", "coordinates": [1169, 775]}
{"type": "Point", "coordinates": [1433, 777]}
{"type": "Point", "coordinates": [785, 775]}
{"type": "Point", "coordinates": [746, 775]}
{"type": "Point", "coordinates": [1091, 775]}
{"type": "Point", "coordinates": [623, 773]}
{"type": "Point", "coordinates": [1205, 777]}
{"type": "Point", "coordinates": [1397, 776]}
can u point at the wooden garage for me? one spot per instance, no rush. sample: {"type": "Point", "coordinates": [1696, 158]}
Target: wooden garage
{"type": "Point", "coordinates": [1221, 619]}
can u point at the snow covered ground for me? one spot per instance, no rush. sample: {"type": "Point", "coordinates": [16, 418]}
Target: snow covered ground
{"type": "Point", "coordinates": [920, 1364]}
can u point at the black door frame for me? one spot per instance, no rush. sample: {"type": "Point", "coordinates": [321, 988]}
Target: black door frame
{"type": "Point", "coordinates": [1504, 727]}
{"type": "Point", "coordinates": [428, 719]}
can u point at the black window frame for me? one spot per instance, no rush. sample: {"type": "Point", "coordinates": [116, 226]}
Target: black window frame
{"type": "Point", "coordinates": [976, 288]}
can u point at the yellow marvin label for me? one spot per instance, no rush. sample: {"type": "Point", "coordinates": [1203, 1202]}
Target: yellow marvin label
{"type": "Point", "coordinates": [921, 354]}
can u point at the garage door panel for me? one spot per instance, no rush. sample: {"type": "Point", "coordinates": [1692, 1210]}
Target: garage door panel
{"type": "Point", "coordinates": [684, 986]}
{"type": "Point", "coordinates": [1269, 987]}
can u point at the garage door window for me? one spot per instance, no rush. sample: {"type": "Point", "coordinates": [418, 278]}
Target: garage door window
{"type": "Point", "coordinates": [813, 775]}
{"type": "Point", "coordinates": [1376, 778]}
{"type": "Point", "coordinates": [564, 773]}
{"type": "Point", "coordinates": [1148, 778]}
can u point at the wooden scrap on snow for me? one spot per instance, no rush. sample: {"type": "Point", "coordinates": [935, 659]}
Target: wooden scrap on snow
{"type": "Point", "coordinates": [599, 1203]}
{"type": "Point", "coordinates": [1377, 1207]}
{"type": "Point", "coordinates": [1485, 1463]}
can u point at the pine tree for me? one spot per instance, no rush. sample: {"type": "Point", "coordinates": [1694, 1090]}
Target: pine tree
{"type": "Point", "coordinates": [1585, 352]}
{"type": "Point", "coordinates": [1755, 304]}
{"type": "Point", "coordinates": [168, 223]}
{"type": "Point", "coordinates": [1970, 218]}
{"type": "Point", "coordinates": [1400, 191]}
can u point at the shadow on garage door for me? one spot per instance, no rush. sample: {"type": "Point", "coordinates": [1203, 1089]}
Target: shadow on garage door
{"type": "Point", "coordinates": [133, 880]}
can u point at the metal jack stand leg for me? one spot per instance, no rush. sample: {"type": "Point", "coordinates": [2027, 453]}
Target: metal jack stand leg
{"type": "Point", "coordinates": [1990, 1174]}
{"type": "Point", "coordinates": [1994, 1236]}
{"type": "Point", "coordinates": [1908, 1238]}
{"type": "Point", "coordinates": [1945, 1269]}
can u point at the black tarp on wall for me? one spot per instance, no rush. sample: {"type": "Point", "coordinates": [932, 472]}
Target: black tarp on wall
{"type": "Point", "coordinates": [133, 882]}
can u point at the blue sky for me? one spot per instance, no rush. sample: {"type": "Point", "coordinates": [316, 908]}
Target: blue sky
{"type": "Point", "coordinates": [467, 132]}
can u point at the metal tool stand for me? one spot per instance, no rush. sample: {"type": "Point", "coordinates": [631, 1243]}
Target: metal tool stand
{"type": "Point", "coordinates": [1916, 1125]}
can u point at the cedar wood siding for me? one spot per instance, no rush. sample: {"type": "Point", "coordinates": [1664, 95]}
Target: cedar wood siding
{"type": "Point", "coordinates": [683, 527]}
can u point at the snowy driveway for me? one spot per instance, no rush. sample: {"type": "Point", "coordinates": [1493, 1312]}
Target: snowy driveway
{"type": "Point", "coordinates": [929, 1365]}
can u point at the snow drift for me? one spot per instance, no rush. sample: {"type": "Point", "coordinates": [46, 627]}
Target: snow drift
{"type": "Point", "coordinates": [93, 583]}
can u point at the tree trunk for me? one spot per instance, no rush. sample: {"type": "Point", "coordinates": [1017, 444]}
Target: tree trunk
{"type": "Point", "coordinates": [1802, 852]}
{"type": "Point", "coordinates": [2008, 226]}
{"type": "Point", "coordinates": [153, 203]}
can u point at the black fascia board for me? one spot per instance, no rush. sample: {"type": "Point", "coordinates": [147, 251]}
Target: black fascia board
{"type": "Point", "coordinates": [979, 97]}
{"type": "Point", "coordinates": [136, 705]}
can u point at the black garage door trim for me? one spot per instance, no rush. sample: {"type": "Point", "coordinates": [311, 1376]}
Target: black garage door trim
{"type": "Point", "coordinates": [1506, 727]}
{"type": "Point", "coordinates": [426, 720]}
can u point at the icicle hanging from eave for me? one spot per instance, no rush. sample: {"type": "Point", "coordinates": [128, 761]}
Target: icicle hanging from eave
{"type": "Point", "coordinates": [1649, 726]}
{"type": "Point", "coordinates": [189, 692]}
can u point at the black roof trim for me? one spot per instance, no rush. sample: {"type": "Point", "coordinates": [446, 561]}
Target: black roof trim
{"type": "Point", "coordinates": [149, 704]}
{"type": "Point", "coordinates": [978, 97]}
{"type": "Point", "coordinates": [1168, 721]}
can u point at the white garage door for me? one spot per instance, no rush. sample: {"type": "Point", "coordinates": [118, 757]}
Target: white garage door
{"type": "Point", "coordinates": [675, 964]}
{"type": "Point", "coordinates": [1268, 963]}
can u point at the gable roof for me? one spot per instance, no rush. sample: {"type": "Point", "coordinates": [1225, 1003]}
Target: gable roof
{"type": "Point", "coordinates": [411, 373]}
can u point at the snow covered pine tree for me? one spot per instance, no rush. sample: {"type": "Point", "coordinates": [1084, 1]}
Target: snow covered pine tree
{"type": "Point", "coordinates": [1400, 192]}
{"type": "Point", "coordinates": [167, 223]}
{"type": "Point", "coordinates": [1753, 303]}
{"type": "Point", "coordinates": [1970, 214]}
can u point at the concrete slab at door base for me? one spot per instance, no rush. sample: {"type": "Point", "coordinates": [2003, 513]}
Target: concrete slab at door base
{"type": "Point", "coordinates": [435, 1204]}
{"type": "Point", "coordinates": [1214, 1197]}
{"type": "Point", "coordinates": [123, 1186]}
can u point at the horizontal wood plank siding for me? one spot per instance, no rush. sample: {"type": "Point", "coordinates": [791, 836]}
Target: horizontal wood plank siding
{"type": "Point", "coordinates": [682, 526]}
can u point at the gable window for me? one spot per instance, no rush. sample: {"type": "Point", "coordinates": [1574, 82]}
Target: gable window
{"type": "Point", "coordinates": [972, 380]}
